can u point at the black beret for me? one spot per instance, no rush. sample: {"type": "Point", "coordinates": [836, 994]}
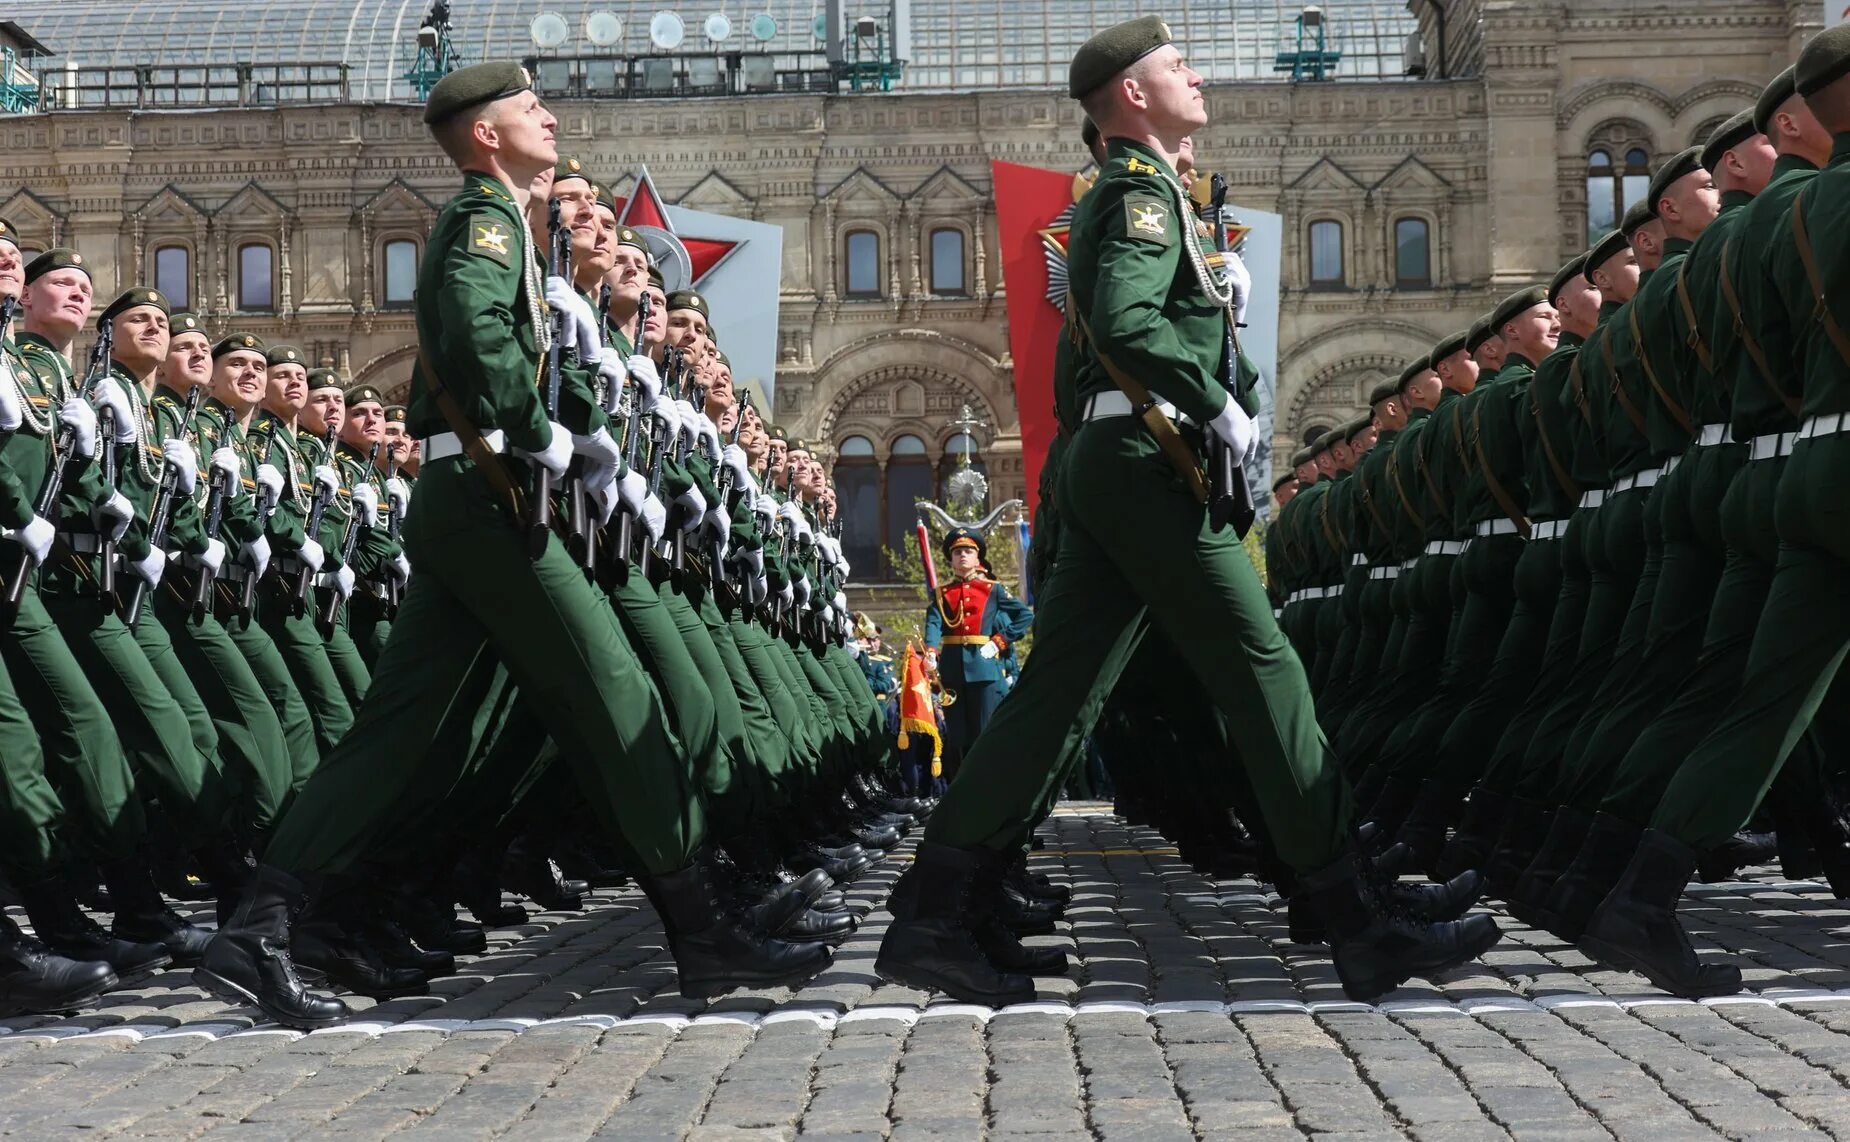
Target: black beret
{"type": "Point", "coordinates": [473, 86]}
{"type": "Point", "coordinates": [1603, 251]}
{"type": "Point", "coordinates": [1673, 168]}
{"type": "Point", "coordinates": [8, 234]}
{"type": "Point", "coordinates": [285, 355]}
{"type": "Point", "coordinates": [1357, 426]}
{"type": "Point", "coordinates": [688, 299]}
{"type": "Point", "coordinates": [179, 323]}
{"type": "Point", "coordinates": [1302, 457]}
{"type": "Point", "coordinates": [238, 343]}
{"type": "Point", "coordinates": [1823, 61]}
{"type": "Point", "coordinates": [131, 298]}
{"type": "Point", "coordinates": [1637, 215]}
{"type": "Point", "coordinates": [1449, 344]}
{"type": "Point", "coordinates": [1481, 331]}
{"type": "Point", "coordinates": [1113, 50]}
{"type": "Point", "coordinates": [656, 279]}
{"type": "Point", "coordinates": [1515, 304]}
{"type": "Point", "coordinates": [58, 259]}
{"type": "Point", "coordinates": [1564, 275]}
{"type": "Point", "coordinates": [1413, 369]}
{"type": "Point", "coordinates": [1772, 97]}
{"type": "Point", "coordinates": [319, 379]}
{"type": "Point", "coordinates": [568, 169]}
{"type": "Point", "coordinates": [363, 394]}
{"type": "Point", "coordinates": [1737, 130]}
{"type": "Point", "coordinates": [395, 414]}
{"type": "Point", "coordinates": [1386, 390]}
{"type": "Point", "coordinates": [1288, 478]}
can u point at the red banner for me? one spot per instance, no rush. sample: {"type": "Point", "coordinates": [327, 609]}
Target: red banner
{"type": "Point", "coordinates": [1030, 203]}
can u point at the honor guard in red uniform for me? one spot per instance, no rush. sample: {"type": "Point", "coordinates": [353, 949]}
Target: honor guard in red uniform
{"type": "Point", "coordinates": [967, 628]}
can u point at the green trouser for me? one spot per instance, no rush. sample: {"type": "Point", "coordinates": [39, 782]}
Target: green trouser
{"type": "Point", "coordinates": [344, 657]}
{"type": "Point", "coordinates": [157, 713]}
{"type": "Point", "coordinates": [369, 625]}
{"type": "Point", "coordinates": [252, 750]}
{"type": "Point", "coordinates": [767, 754]}
{"type": "Point", "coordinates": [30, 809]}
{"type": "Point", "coordinates": [306, 654]}
{"type": "Point", "coordinates": [755, 651]}
{"type": "Point", "coordinates": [1421, 666]}
{"type": "Point", "coordinates": [664, 653]}
{"type": "Point", "coordinates": [84, 757]}
{"type": "Point", "coordinates": [481, 594]}
{"type": "Point", "coordinates": [1748, 528]}
{"type": "Point", "coordinates": [1132, 538]}
{"type": "Point", "coordinates": [1792, 681]}
{"type": "Point", "coordinates": [728, 800]}
{"type": "Point", "coordinates": [1505, 772]}
{"type": "Point", "coordinates": [834, 709]}
{"type": "Point", "coordinates": [821, 726]}
{"type": "Point", "coordinates": [1332, 688]}
{"type": "Point", "coordinates": [1332, 620]}
{"type": "Point", "coordinates": [1385, 687]}
{"type": "Point", "coordinates": [272, 674]}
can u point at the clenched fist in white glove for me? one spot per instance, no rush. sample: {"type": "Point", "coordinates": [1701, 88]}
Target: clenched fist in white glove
{"type": "Point", "coordinates": [226, 460]}
{"type": "Point", "coordinates": [80, 418]}
{"type": "Point", "coordinates": [647, 377]}
{"type": "Point", "coordinates": [366, 502]}
{"type": "Point", "coordinates": [578, 330]}
{"type": "Point", "coordinates": [343, 581]}
{"type": "Point", "coordinates": [1235, 428]}
{"type": "Point", "coordinates": [110, 395]}
{"type": "Point", "coordinates": [558, 451]}
{"type": "Point", "coordinates": [35, 537]}
{"type": "Point", "coordinates": [311, 555]}
{"type": "Point", "coordinates": [269, 486]}
{"type": "Point", "coordinates": [989, 650]}
{"type": "Point", "coordinates": [149, 567]}
{"type": "Point", "coordinates": [111, 517]}
{"type": "Point", "coordinates": [327, 480]}
{"type": "Point", "coordinates": [185, 463]}
{"type": "Point", "coordinates": [692, 506]}
{"type": "Point", "coordinates": [256, 555]}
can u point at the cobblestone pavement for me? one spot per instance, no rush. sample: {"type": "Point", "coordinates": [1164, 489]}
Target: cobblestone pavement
{"type": "Point", "coordinates": [1189, 1015]}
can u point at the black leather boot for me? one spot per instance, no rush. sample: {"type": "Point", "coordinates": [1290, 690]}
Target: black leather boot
{"type": "Point", "coordinates": [1396, 800]}
{"type": "Point", "coordinates": [351, 961]}
{"type": "Point", "coordinates": [433, 924]}
{"type": "Point", "coordinates": [1595, 869]}
{"type": "Point", "coordinates": [932, 946]}
{"type": "Point", "coordinates": [582, 858]}
{"type": "Point", "coordinates": [1423, 831]}
{"type": "Point", "coordinates": [223, 861]}
{"type": "Point", "coordinates": [380, 926]}
{"type": "Point", "coordinates": [811, 926]}
{"type": "Point", "coordinates": [36, 979]}
{"type": "Point", "coordinates": [1636, 927]}
{"type": "Point", "coordinates": [1375, 944]}
{"type": "Point", "coordinates": [1743, 850]}
{"type": "Point", "coordinates": [67, 930]}
{"type": "Point", "coordinates": [247, 963]}
{"type": "Point", "coordinates": [1476, 835]}
{"type": "Point", "coordinates": [1524, 829]}
{"type": "Point", "coordinates": [712, 951]}
{"type": "Point", "coordinates": [1528, 901]}
{"type": "Point", "coordinates": [1432, 903]}
{"type": "Point", "coordinates": [532, 874]}
{"type": "Point", "coordinates": [143, 917]}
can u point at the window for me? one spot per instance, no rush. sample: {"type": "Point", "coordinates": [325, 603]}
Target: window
{"type": "Point", "coordinates": [908, 480]}
{"type": "Point", "coordinates": [1326, 254]}
{"type": "Point", "coordinates": [856, 448]}
{"type": "Point", "coordinates": [1412, 253]}
{"type": "Point", "coordinates": [947, 262]}
{"type": "Point", "coordinates": [857, 496]}
{"type": "Point", "coordinates": [256, 285]}
{"type": "Point", "coordinates": [1613, 186]}
{"type": "Point", "coordinates": [173, 274]}
{"type": "Point", "coordinates": [863, 263]}
{"type": "Point", "coordinates": [401, 271]}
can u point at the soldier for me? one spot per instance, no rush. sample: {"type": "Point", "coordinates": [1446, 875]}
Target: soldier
{"type": "Point", "coordinates": [376, 598]}
{"type": "Point", "coordinates": [376, 555]}
{"type": "Point", "coordinates": [974, 618]}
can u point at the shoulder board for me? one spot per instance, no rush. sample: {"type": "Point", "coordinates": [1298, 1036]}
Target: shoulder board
{"type": "Point", "coordinates": [1135, 165]}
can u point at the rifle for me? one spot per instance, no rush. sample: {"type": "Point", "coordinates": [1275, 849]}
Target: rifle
{"type": "Point", "coordinates": [728, 501]}
{"type": "Point", "coordinates": [160, 515]}
{"type": "Point", "coordinates": [331, 613]}
{"type": "Point", "coordinates": [61, 449]}
{"type": "Point", "coordinates": [542, 477]}
{"type": "Point", "coordinates": [626, 527]}
{"type": "Point", "coordinates": [581, 515]}
{"type": "Point", "coordinates": [106, 444]}
{"type": "Point", "coordinates": [394, 520]}
{"type": "Point", "coordinates": [215, 516]}
{"type": "Point", "coordinates": [680, 455]}
{"type": "Point", "coordinates": [311, 528]}
{"type": "Point", "coordinates": [1230, 498]}
{"type": "Point", "coordinates": [247, 599]}
{"type": "Point", "coordinates": [659, 444]}
{"type": "Point", "coordinates": [9, 307]}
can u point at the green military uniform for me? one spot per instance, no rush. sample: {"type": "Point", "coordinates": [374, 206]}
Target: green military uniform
{"type": "Point", "coordinates": [370, 609]}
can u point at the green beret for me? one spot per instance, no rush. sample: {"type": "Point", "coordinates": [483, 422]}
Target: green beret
{"type": "Point", "coordinates": [777, 432]}
{"type": "Point", "coordinates": [1636, 216]}
{"type": "Point", "coordinates": [1447, 346]}
{"type": "Point", "coordinates": [179, 323]}
{"type": "Point", "coordinates": [1516, 304]}
{"type": "Point", "coordinates": [688, 299]}
{"type": "Point", "coordinates": [238, 343]}
{"type": "Point", "coordinates": [319, 379]}
{"type": "Point", "coordinates": [569, 169]}
{"type": "Point", "coordinates": [1113, 50]}
{"type": "Point", "coordinates": [473, 86]}
{"type": "Point", "coordinates": [1564, 275]}
{"type": "Point", "coordinates": [1413, 369]}
{"type": "Point", "coordinates": [1357, 426]}
{"type": "Point", "coordinates": [8, 234]}
{"type": "Point", "coordinates": [1823, 61]}
{"type": "Point", "coordinates": [363, 394]}
{"type": "Point", "coordinates": [1737, 130]}
{"type": "Point", "coordinates": [656, 279]}
{"type": "Point", "coordinates": [1289, 477]}
{"type": "Point", "coordinates": [1386, 390]}
{"type": "Point", "coordinates": [629, 237]}
{"type": "Point", "coordinates": [1481, 331]}
{"type": "Point", "coordinates": [1603, 251]}
{"type": "Point", "coordinates": [285, 355]}
{"type": "Point", "coordinates": [395, 414]}
{"type": "Point", "coordinates": [131, 298]}
{"type": "Point", "coordinates": [721, 359]}
{"type": "Point", "coordinates": [1330, 439]}
{"type": "Point", "coordinates": [602, 197]}
{"type": "Point", "coordinates": [1302, 457]}
{"type": "Point", "coordinates": [1674, 168]}
{"type": "Point", "coordinates": [1772, 97]}
{"type": "Point", "coordinates": [58, 259]}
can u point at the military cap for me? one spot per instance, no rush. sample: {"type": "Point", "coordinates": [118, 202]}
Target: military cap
{"type": "Point", "coordinates": [568, 169]}
{"type": "Point", "coordinates": [1413, 369]}
{"type": "Point", "coordinates": [1303, 456]}
{"type": "Point", "coordinates": [58, 259]}
{"type": "Point", "coordinates": [1673, 168]}
{"type": "Point", "coordinates": [1823, 61]}
{"type": "Point", "coordinates": [1772, 97]}
{"type": "Point", "coordinates": [1564, 275]}
{"type": "Point", "coordinates": [395, 414]}
{"type": "Point", "coordinates": [965, 537]}
{"type": "Point", "coordinates": [1288, 477]}
{"type": "Point", "coordinates": [238, 343]}
{"type": "Point", "coordinates": [1330, 439]}
{"type": "Point", "coordinates": [777, 432]}
{"type": "Point", "coordinates": [180, 323]}
{"type": "Point", "coordinates": [8, 234]}
{"type": "Point", "coordinates": [473, 86]}
{"type": "Point", "coordinates": [1481, 331]}
{"type": "Point", "coordinates": [1113, 50]}
{"type": "Point", "coordinates": [319, 379]}
{"type": "Point", "coordinates": [721, 359]}
{"type": "Point", "coordinates": [1516, 304]}
{"type": "Point", "coordinates": [1636, 216]}
{"type": "Point", "coordinates": [628, 237]}
{"type": "Point", "coordinates": [1386, 390]}
{"type": "Point", "coordinates": [1089, 133]}
{"type": "Point", "coordinates": [1603, 251]}
{"type": "Point", "coordinates": [364, 394]}
{"type": "Point", "coordinates": [688, 299]}
{"type": "Point", "coordinates": [131, 298]}
{"type": "Point", "coordinates": [864, 626]}
{"type": "Point", "coordinates": [1737, 130]}
{"type": "Point", "coordinates": [285, 355]}
{"type": "Point", "coordinates": [1357, 426]}
{"type": "Point", "coordinates": [1448, 345]}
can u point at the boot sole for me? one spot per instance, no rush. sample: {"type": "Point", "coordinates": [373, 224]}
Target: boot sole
{"type": "Point", "coordinates": [1369, 990]}
{"type": "Point", "coordinates": [237, 996]}
{"type": "Point", "coordinates": [926, 980]}
{"type": "Point", "coordinates": [708, 988]}
{"type": "Point", "coordinates": [70, 1000]}
{"type": "Point", "coordinates": [1625, 961]}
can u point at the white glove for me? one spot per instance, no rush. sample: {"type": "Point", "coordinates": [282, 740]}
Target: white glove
{"type": "Point", "coordinates": [185, 463]}
{"type": "Point", "coordinates": [931, 659]}
{"type": "Point", "coordinates": [716, 522]}
{"type": "Point", "coordinates": [787, 595]}
{"type": "Point", "coordinates": [690, 421]}
{"type": "Point", "coordinates": [790, 513]}
{"type": "Point", "coordinates": [1235, 274]}
{"type": "Point", "coordinates": [828, 615]}
{"type": "Point", "coordinates": [226, 459]}
{"type": "Point", "coordinates": [709, 436]}
{"type": "Point", "coordinates": [734, 460]}
{"type": "Point", "coordinates": [631, 490]}
{"type": "Point", "coordinates": [760, 588]}
{"type": "Point", "coordinates": [840, 602]}
{"type": "Point", "coordinates": [269, 484]}
{"type": "Point", "coordinates": [212, 558]}
{"type": "Point", "coordinates": [311, 555]}
{"type": "Point", "coordinates": [988, 650]}
{"type": "Point", "coordinates": [150, 567]}
{"type": "Point", "coordinates": [400, 569]}
{"type": "Point", "coordinates": [256, 555]}
{"type": "Point", "coordinates": [668, 418]}
{"type": "Point", "coordinates": [1235, 428]}
{"type": "Point", "coordinates": [109, 395]}
{"type": "Point", "coordinates": [399, 493]}
{"type": "Point", "coordinates": [558, 452]}
{"type": "Point", "coordinates": [603, 496]}
{"type": "Point", "coordinates": [693, 506]}
{"type": "Point", "coordinates": [754, 558]}
{"type": "Point", "coordinates": [802, 590]}
{"type": "Point", "coordinates": [366, 502]}
{"type": "Point", "coordinates": [111, 517]}
{"type": "Point", "coordinates": [343, 581]}
{"type": "Point", "coordinates": [765, 508]}
{"type": "Point", "coordinates": [35, 537]}
{"type": "Point", "coordinates": [598, 448]}
{"type": "Point", "coordinates": [610, 369]}
{"type": "Point", "coordinates": [80, 418]}
{"type": "Point", "coordinates": [578, 332]}
{"type": "Point", "coordinates": [648, 378]}
{"type": "Point", "coordinates": [845, 569]}
{"type": "Point", "coordinates": [327, 480]}
{"type": "Point", "coordinates": [12, 413]}
{"type": "Point", "coordinates": [654, 518]}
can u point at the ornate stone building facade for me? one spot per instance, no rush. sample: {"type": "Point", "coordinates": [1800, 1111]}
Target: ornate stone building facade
{"type": "Point", "coordinates": [1410, 205]}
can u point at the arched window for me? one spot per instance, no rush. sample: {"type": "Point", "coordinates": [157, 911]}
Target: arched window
{"type": "Point", "coordinates": [857, 496]}
{"type": "Point", "coordinates": [173, 275]}
{"type": "Point", "coordinates": [1326, 255]}
{"type": "Point", "coordinates": [856, 448]}
{"type": "Point", "coordinates": [947, 262]}
{"type": "Point", "coordinates": [1412, 253]}
{"type": "Point", "coordinates": [256, 278]}
{"type": "Point", "coordinates": [861, 264]}
{"type": "Point", "coordinates": [401, 271]}
{"type": "Point", "coordinates": [1616, 178]}
{"type": "Point", "coordinates": [908, 480]}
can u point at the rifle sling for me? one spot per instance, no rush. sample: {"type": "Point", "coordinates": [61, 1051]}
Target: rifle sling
{"type": "Point", "coordinates": [1505, 502]}
{"type": "Point", "coordinates": [1748, 342]}
{"type": "Point", "coordinates": [474, 446]}
{"type": "Point", "coordinates": [1822, 312]}
{"type": "Point", "coordinates": [1624, 398]}
{"type": "Point", "coordinates": [1181, 457]}
{"type": "Point", "coordinates": [1696, 340]}
{"type": "Point", "coordinates": [1677, 411]}
{"type": "Point", "coordinates": [1561, 474]}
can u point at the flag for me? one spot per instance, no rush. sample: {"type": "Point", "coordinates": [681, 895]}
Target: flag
{"type": "Point", "coordinates": [915, 710]}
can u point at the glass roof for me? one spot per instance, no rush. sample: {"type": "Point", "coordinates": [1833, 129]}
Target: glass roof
{"type": "Point", "coordinates": [956, 44]}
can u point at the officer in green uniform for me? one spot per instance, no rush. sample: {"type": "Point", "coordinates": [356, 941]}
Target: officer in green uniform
{"type": "Point", "coordinates": [1792, 667]}
{"type": "Point", "coordinates": [375, 554]}
{"type": "Point", "coordinates": [489, 586]}
{"type": "Point", "coordinates": [375, 599]}
{"type": "Point", "coordinates": [1333, 689]}
{"type": "Point", "coordinates": [1135, 538]}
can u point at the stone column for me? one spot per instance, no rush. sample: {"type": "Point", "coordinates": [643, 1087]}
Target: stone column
{"type": "Point", "coordinates": [1520, 73]}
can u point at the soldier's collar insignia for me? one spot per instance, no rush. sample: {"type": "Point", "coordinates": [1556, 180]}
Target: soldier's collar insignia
{"type": "Point", "coordinates": [1136, 165]}
{"type": "Point", "coordinates": [491, 237]}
